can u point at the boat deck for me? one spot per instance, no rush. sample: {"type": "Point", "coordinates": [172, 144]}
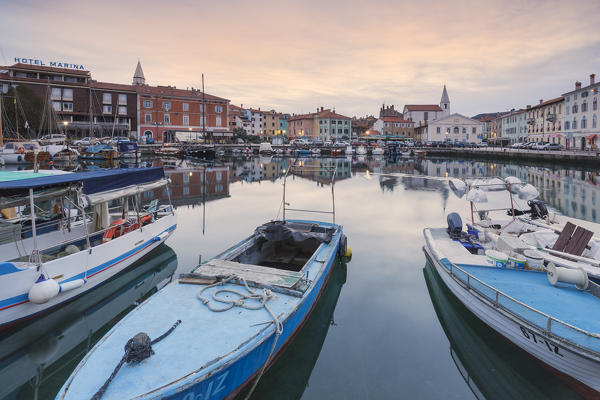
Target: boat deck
{"type": "Point", "coordinates": [563, 302]}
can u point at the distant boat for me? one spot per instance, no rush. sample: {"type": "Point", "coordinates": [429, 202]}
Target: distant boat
{"type": "Point", "coordinates": [361, 150]}
{"type": "Point", "coordinates": [265, 148]}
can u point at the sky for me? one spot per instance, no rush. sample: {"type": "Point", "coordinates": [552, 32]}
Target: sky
{"type": "Point", "coordinates": [295, 56]}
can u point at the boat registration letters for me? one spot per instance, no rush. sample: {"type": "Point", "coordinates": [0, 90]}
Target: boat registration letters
{"type": "Point", "coordinates": [220, 380]}
{"type": "Point", "coordinates": [537, 338]}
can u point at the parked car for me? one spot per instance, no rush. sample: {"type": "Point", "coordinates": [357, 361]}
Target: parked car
{"type": "Point", "coordinates": [482, 144]}
{"type": "Point", "coordinates": [517, 145]}
{"type": "Point", "coordinates": [53, 139]}
{"type": "Point", "coordinates": [539, 145]}
{"type": "Point", "coordinates": [553, 147]}
{"type": "Point", "coordinates": [86, 141]}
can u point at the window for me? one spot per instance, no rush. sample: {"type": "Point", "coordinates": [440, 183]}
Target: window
{"type": "Point", "coordinates": [147, 118]}
{"type": "Point", "coordinates": [147, 103]}
{"type": "Point", "coordinates": [584, 106]}
{"type": "Point", "coordinates": [339, 122]}
{"type": "Point", "coordinates": [106, 98]}
{"type": "Point", "coordinates": [583, 122]}
{"type": "Point", "coordinates": [67, 94]}
{"type": "Point", "coordinates": [574, 108]}
{"type": "Point", "coordinates": [595, 104]}
{"type": "Point", "coordinates": [464, 130]}
{"type": "Point", "coordinates": [122, 110]}
{"type": "Point", "coordinates": [594, 121]}
{"type": "Point", "coordinates": [425, 115]}
{"type": "Point", "coordinates": [54, 78]}
{"type": "Point", "coordinates": [218, 121]}
{"type": "Point", "coordinates": [438, 130]}
{"type": "Point", "coordinates": [123, 99]}
{"type": "Point", "coordinates": [574, 123]}
{"type": "Point", "coordinates": [167, 118]}
{"type": "Point", "coordinates": [67, 106]}
{"type": "Point", "coordinates": [166, 105]}
{"type": "Point", "coordinates": [107, 109]}
{"type": "Point", "coordinates": [186, 119]}
{"type": "Point", "coordinates": [56, 105]}
{"type": "Point", "coordinates": [474, 130]}
{"type": "Point", "coordinates": [219, 109]}
{"type": "Point", "coordinates": [55, 94]}
{"type": "Point", "coordinates": [456, 129]}
{"type": "Point", "coordinates": [218, 176]}
{"type": "Point", "coordinates": [186, 107]}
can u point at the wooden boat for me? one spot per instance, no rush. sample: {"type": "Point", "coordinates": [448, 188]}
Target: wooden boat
{"type": "Point", "coordinates": [169, 151]}
{"type": "Point", "coordinates": [225, 322]}
{"type": "Point", "coordinates": [543, 309]}
{"type": "Point", "coordinates": [46, 277]}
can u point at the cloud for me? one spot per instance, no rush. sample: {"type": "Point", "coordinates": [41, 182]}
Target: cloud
{"type": "Point", "coordinates": [296, 56]}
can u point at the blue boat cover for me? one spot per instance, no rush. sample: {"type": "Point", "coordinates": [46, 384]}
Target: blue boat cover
{"type": "Point", "coordinates": [97, 148]}
{"type": "Point", "coordinates": [93, 182]}
{"type": "Point", "coordinates": [127, 147]}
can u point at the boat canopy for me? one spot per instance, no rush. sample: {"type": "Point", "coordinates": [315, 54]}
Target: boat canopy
{"type": "Point", "coordinates": [103, 197]}
{"type": "Point", "coordinates": [93, 182]}
{"type": "Point", "coordinates": [127, 147]}
{"type": "Point", "coordinates": [97, 148]}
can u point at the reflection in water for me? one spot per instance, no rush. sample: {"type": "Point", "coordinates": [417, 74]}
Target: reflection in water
{"type": "Point", "coordinates": [38, 357]}
{"type": "Point", "coordinates": [492, 367]}
{"type": "Point", "coordinates": [288, 377]}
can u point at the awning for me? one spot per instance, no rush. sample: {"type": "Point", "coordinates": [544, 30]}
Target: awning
{"type": "Point", "coordinates": [93, 182]}
{"type": "Point", "coordinates": [103, 197]}
{"type": "Point", "coordinates": [592, 136]}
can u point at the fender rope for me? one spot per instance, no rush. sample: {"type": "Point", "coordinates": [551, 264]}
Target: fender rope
{"type": "Point", "coordinates": [137, 349]}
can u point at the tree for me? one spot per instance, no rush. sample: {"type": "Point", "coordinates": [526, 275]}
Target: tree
{"type": "Point", "coordinates": [29, 109]}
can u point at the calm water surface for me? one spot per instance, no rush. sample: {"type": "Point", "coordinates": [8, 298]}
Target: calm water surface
{"type": "Point", "coordinates": [385, 327]}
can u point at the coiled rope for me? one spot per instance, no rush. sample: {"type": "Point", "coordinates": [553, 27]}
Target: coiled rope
{"type": "Point", "coordinates": [262, 297]}
{"type": "Point", "coordinates": [137, 349]}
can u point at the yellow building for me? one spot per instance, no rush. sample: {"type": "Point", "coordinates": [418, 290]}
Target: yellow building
{"type": "Point", "coordinates": [270, 123]}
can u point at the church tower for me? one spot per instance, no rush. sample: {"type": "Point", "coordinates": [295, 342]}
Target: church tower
{"type": "Point", "coordinates": [445, 102]}
{"type": "Point", "coordinates": [138, 76]}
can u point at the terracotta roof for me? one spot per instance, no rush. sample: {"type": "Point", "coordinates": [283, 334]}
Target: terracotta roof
{"type": "Point", "coordinates": [173, 92]}
{"type": "Point", "coordinates": [330, 114]}
{"type": "Point", "coordinates": [422, 107]}
{"type": "Point", "coordinates": [485, 119]}
{"type": "Point", "coordinates": [302, 116]}
{"type": "Point", "coordinates": [545, 103]}
{"type": "Point", "coordinates": [50, 69]}
{"type": "Point", "coordinates": [112, 86]}
{"type": "Point", "coordinates": [395, 119]}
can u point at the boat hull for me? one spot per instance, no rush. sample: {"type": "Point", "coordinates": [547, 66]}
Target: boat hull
{"type": "Point", "coordinates": [95, 267]}
{"type": "Point", "coordinates": [581, 369]}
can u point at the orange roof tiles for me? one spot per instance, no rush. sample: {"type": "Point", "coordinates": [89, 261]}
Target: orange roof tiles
{"type": "Point", "coordinates": [423, 107]}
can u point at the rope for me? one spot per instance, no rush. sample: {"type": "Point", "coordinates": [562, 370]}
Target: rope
{"type": "Point", "coordinates": [262, 297]}
{"type": "Point", "coordinates": [137, 349]}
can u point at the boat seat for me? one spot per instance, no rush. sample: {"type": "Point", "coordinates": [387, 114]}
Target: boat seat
{"type": "Point", "coordinates": [573, 239]}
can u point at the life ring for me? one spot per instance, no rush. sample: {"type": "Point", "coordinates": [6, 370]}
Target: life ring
{"type": "Point", "coordinates": [21, 150]}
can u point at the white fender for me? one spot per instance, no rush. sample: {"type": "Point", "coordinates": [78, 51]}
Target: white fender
{"type": "Point", "coordinates": [43, 290]}
{"type": "Point", "coordinates": [77, 283]}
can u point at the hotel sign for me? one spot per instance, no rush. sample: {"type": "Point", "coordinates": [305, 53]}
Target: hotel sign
{"type": "Point", "coordinates": [55, 64]}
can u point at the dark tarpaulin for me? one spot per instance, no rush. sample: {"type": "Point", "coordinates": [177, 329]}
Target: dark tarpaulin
{"type": "Point", "coordinates": [276, 231]}
{"type": "Point", "coordinates": [127, 147]}
{"type": "Point", "coordinates": [93, 182]}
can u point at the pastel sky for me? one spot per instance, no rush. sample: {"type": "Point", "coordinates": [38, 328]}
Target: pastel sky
{"type": "Point", "coordinates": [295, 56]}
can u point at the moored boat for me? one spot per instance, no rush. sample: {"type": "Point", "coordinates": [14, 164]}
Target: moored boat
{"type": "Point", "coordinates": [112, 240]}
{"type": "Point", "coordinates": [538, 301]}
{"type": "Point", "coordinates": [265, 148]}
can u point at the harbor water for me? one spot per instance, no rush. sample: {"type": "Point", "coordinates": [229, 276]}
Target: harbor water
{"type": "Point", "coordinates": [385, 327]}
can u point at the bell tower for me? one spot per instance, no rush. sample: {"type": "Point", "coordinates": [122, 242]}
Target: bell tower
{"type": "Point", "coordinates": [138, 76]}
{"type": "Point", "coordinates": [445, 102]}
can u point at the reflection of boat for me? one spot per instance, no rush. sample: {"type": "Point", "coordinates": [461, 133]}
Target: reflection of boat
{"type": "Point", "coordinates": [361, 150]}
{"type": "Point", "coordinates": [294, 367]}
{"type": "Point", "coordinates": [490, 366]}
{"type": "Point", "coordinates": [378, 151]}
{"type": "Point", "coordinates": [36, 358]}
{"type": "Point", "coordinates": [128, 149]}
{"type": "Point", "coordinates": [169, 151]}
{"type": "Point", "coordinates": [66, 155]}
{"type": "Point", "coordinates": [265, 149]}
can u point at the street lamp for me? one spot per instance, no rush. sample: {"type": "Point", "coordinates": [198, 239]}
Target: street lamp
{"type": "Point", "coordinates": [65, 123]}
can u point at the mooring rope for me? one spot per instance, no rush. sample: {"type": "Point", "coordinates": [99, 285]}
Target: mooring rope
{"type": "Point", "coordinates": [137, 349]}
{"type": "Point", "coordinates": [262, 297]}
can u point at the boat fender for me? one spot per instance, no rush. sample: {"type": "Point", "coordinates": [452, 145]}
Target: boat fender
{"type": "Point", "coordinates": [160, 237]}
{"type": "Point", "coordinates": [43, 290]}
{"type": "Point", "coordinates": [343, 245]}
{"type": "Point", "coordinates": [19, 158]}
{"type": "Point", "coordinates": [70, 285]}
{"type": "Point", "coordinates": [578, 276]}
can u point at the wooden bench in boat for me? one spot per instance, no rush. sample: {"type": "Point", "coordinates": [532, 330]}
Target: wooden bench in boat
{"type": "Point", "coordinates": [573, 239]}
{"type": "Point", "coordinates": [288, 282]}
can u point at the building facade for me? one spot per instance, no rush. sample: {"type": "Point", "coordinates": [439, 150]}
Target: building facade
{"type": "Point", "coordinates": [580, 117]}
{"type": "Point", "coordinates": [422, 114]}
{"type": "Point", "coordinates": [395, 126]}
{"type": "Point", "coordinates": [332, 126]}
{"type": "Point", "coordinates": [514, 126]}
{"type": "Point", "coordinates": [544, 121]}
{"type": "Point", "coordinates": [454, 128]}
{"type": "Point", "coordinates": [301, 125]}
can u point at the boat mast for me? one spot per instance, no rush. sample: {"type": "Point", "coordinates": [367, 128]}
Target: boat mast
{"type": "Point", "coordinates": [35, 253]}
{"type": "Point", "coordinates": [16, 113]}
{"type": "Point", "coordinates": [203, 111]}
{"type": "Point", "coordinates": [91, 115]}
{"type": "Point", "coordinates": [1, 137]}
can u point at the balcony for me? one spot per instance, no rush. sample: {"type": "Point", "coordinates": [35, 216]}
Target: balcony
{"type": "Point", "coordinates": [531, 121]}
{"type": "Point", "coordinates": [551, 117]}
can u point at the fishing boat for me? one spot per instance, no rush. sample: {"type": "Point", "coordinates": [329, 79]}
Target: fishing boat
{"type": "Point", "coordinates": [128, 149]}
{"type": "Point", "coordinates": [505, 273]}
{"type": "Point", "coordinates": [66, 155]}
{"type": "Point", "coordinates": [121, 231]}
{"type": "Point", "coordinates": [219, 327]}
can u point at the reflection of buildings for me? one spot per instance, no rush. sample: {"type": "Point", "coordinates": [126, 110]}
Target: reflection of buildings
{"type": "Point", "coordinates": [320, 169]}
{"type": "Point", "coordinates": [192, 184]}
{"type": "Point", "coordinates": [257, 169]}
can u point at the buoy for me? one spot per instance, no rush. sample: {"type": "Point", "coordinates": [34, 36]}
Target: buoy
{"type": "Point", "coordinates": [578, 276]}
{"type": "Point", "coordinates": [43, 290]}
{"type": "Point", "coordinates": [70, 285]}
{"type": "Point", "coordinates": [348, 252]}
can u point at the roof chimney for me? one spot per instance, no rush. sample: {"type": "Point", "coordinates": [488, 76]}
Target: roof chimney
{"type": "Point", "coordinates": [577, 85]}
{"type": "Point", "coordinates": [528, 106]}
{"type": "Point", "coordinates": [541, 101]}
{"type": "Point", "coordinates": [592, 79]}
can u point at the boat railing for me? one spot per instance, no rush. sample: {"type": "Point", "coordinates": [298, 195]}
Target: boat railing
{"type": "Point", "coordinates": [548, 324]}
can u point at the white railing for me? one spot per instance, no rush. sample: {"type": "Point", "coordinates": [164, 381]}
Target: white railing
{"type": "Point", "coordinates": [550, 325]}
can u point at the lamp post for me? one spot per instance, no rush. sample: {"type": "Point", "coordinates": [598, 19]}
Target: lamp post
{"type": "Point", "coordinates": [65, 124]}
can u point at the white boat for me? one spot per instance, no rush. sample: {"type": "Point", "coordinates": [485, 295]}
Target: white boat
{"type": "Point", "coordinates": [361, 150]}
{"type": "Point", "coordinates": [265, 148]}
{"type": "Point", "coordinates": [348, 150]}
{"type": "Point", "coordinates": [540, 302]}
{"type": "Point", "coordinates": [378, 151]}
{"type": "Point", "coordinates": [315, 151]}
{"type": "Point", "coordinates": [128, 149]}
{"type": "Point", "coordinates": [115, 238]}
{"type": "Point", "coordinates": [24, 152]}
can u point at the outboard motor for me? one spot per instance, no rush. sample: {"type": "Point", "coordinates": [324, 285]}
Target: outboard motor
{"type": "Point", "coordinates": [538, 209]}
{"type": "Point", "coordinates": [454, 225]}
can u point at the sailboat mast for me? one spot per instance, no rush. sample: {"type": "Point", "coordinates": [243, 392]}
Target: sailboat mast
{"type": "Point", "coordinates": [1, 137]}
{"type": "Point", "coordinates": [203, 111]}
{"type": "Point", "coordinates": [16, 113]}
{"type": "Point", "coordinates": [91, 116]}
